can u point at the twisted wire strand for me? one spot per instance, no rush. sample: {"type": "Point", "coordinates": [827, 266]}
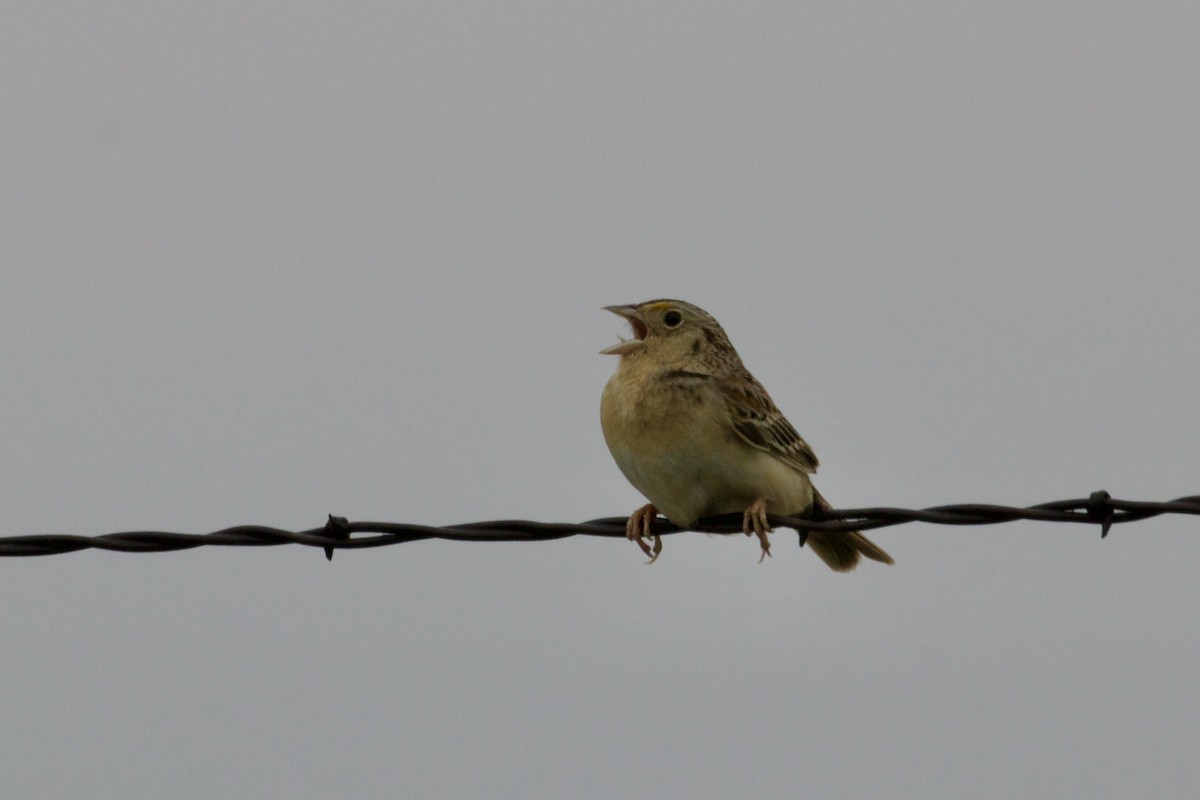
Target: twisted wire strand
{"type": "Point", "coordinates": [338, 533]}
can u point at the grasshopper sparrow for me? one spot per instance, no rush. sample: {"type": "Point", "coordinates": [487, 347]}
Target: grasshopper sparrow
{"type": "Point", "coordinates": [694, 432]}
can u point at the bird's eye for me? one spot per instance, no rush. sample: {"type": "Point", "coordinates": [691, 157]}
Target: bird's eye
{"type": "Point", "coordinates": [672, 318]}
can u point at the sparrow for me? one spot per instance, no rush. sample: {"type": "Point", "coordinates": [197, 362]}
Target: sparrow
{"type": "Point", "coordinates": [694, 432]}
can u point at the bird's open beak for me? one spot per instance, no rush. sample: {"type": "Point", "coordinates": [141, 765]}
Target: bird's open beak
{"type": "Point", "coordinates": [636, 325]}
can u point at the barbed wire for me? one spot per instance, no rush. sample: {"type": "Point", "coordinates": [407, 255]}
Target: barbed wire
{"type": "Point", "coordinates": [339, 533]}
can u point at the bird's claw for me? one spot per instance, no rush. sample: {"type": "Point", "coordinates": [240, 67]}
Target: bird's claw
{"type": "Point", "coordinates": [638, 529]}
{"type": "Point", "coordinates": [754, 521]}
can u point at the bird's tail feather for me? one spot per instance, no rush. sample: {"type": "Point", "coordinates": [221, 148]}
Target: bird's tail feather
{"type": "Point", "coordinates": [841, 550]}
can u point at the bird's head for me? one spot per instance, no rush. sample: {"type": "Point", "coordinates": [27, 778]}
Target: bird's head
{"type": "Point", "coordinates": [672, 330]}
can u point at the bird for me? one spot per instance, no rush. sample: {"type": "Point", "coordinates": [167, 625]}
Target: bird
{"type": "Point", "coordinates": [698, 435]}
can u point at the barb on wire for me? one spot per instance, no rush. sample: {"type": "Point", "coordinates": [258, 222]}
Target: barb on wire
{"type": "Point", "coordinates": [338, 533]}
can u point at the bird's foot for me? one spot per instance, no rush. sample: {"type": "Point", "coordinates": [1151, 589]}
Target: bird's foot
{"type": "Point", "coordinates": [754, 521]}
{"type": "Point", "coordinates": [639, 528]}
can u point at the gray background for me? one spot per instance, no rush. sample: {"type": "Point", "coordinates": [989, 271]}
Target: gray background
{"type": "Point", "coordinates": [267, 262]}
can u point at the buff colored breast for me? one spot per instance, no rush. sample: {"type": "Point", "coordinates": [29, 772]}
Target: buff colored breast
{"type": "Point", "coordinates": [677, 447]}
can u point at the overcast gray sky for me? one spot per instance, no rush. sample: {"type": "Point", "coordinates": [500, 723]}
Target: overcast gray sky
{"type": "Point", "coordinates": [265, 262]}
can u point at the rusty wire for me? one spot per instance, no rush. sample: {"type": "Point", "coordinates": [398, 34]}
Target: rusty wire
{"type": "Point", "coordinates": [338, 533]}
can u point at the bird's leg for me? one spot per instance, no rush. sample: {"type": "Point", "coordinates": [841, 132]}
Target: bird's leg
{"type": "Point", "coordinates": [755, 521]}
{"type": "Point", "coordinates": [639, 527]}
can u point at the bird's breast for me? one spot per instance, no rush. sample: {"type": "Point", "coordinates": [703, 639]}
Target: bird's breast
{"type": "Point", "coordinates": [674, 443]}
